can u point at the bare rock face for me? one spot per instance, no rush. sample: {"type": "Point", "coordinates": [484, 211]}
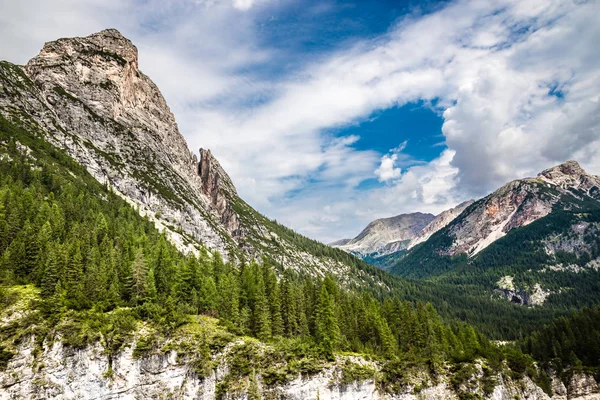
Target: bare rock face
{"type": "Point", "coordinates": [109, 116]}
{"type": "Point", "coordinates": [71, 374]}
{"type": "Point", "coordinates": [570, 176]}
{"type": "Point", "coordinates": [583, 386]}
{"type": "Point", "coordinates": [516, 204]}
{"type": "Point", "coordinates": [440, 221]}
{"type": "Point", "coordinates": [218, 188]}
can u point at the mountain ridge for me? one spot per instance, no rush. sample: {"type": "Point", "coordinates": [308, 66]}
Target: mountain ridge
{"type": "Point", "coordinates": [515, 204]}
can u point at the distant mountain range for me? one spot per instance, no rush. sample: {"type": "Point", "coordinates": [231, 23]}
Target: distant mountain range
{"type": "Point", "coordinates": [474, 225]}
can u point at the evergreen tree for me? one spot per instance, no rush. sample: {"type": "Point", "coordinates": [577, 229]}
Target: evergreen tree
{"type": "Point", "coordinates": [326, 327]}
{"type": "Point", "coordinates": [262, 316]}
{"type": "Point", "coordinates": [139, 271]}
{"type": "Point", "coordinates": [277, 328]}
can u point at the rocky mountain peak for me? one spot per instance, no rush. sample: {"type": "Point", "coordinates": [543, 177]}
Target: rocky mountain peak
{"type": "Point", "coordinates": [571, 168]}
{"type": "Point", "coordinates": [569, 175]}
{"type": "Point", "coordinates": [387, 235]}
{"type": "Point", "coordinates": [92, 89]}
{"type": "Point", "coordinates": [111, 40]}
{"type": "Point", "coordinates": [87, 97]}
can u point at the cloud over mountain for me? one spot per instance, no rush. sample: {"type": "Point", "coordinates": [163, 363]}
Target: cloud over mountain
{"type": "Point", "coordinates": [516, 82]}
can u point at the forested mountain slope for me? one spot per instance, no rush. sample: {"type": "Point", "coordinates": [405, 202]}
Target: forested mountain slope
{"type": "Point", "coordinates": [547, 264]}
{"type": "Point", "coordinates": [88, 97]}
{"type": "Point", "coordinates": [566, 187]}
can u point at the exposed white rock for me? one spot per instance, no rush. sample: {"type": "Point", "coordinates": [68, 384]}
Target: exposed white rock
{"type": "Point", "coordinates": [65, 373]}
{"type": "Point", "coordinates": [536, 296]}
{"type": "Point", "coordinates": [569, 175]}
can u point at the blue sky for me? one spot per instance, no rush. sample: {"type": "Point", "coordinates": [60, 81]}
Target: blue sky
{"type": "Point", "coordinates": [329, 114]}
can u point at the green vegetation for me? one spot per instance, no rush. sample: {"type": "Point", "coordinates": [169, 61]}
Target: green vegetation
{"type": "Point", "coordinates": [353, 372]}
{"type": "Point", "coordinates": [568, 344]}
{"type": "Point", "coordinates": [463, 288]}
{"type": "Point", "coordinates": [96, 270]}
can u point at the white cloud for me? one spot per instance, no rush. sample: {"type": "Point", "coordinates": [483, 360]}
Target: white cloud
{"type": "Point", "coordinates": [490, 67]}
{"type": "Point", "coordinates": [243, 4]}
{"type": "Point", "coordinates": [387, 170]}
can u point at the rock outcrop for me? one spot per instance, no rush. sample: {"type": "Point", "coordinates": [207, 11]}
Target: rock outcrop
{"type": "Point", "coordinates": [65, 373]}
{"type": "Point", "coordinates": [218, 188]}
{"type": "Point", "coordinates": [570, 176]}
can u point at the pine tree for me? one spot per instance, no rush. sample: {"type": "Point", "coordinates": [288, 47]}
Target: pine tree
{"type": "Point", "coordinates": [208, 296]}
{"type": "Point", "coordinates": [275, 306]}
{"type": "Point", "coordinates": [151, 285]}
{"type": "Point", "coordinates": [327, 332]}
{"type": "Point", "coordinates": [388, 342]}
{"type": "Point", "coordinates": [289, 305]}
{"type": "Point", "coordinates": [262, 318]}
{"type": "Point", "coordinates": [51, 273]}
{"type": "Point", "coordinates": [139, 271]}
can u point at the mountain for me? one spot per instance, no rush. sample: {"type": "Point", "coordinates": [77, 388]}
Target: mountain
{"type": "Point", "coordinates": [518, 204]}
{"type": "Point", "coordinates": [473, 226]}
{"type": "Point", "coordinates": [338, 243]}
{"type": "Point", "coordinates": [385, 241]}
{"type": "Point", "coordinates": [386, 235]}
{"type": "Point", "coordinates": [534, 242]}
{"type": "Point", "coordinates": [113, 282]}
{"type": "Point", "coordinates": [88, 97]}
{"type": "Point", "coordinates": [440, 221]}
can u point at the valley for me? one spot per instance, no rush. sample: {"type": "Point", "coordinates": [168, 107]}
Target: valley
{"type": "Point", "coordinates": [131, 268]}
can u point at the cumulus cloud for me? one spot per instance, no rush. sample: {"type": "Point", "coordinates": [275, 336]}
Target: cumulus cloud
{"type": "Point", "coordinates": [517, 82]}
{"type": "Point", "coordinates": [387, 169]}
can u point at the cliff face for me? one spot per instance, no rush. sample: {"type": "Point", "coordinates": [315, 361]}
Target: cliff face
{"type": "Point", "coordinates": [90, 98]}
{"type": "Point", "coordinates": [67, 373]}
{"type": "Point", "coordinates": [218, 188]}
